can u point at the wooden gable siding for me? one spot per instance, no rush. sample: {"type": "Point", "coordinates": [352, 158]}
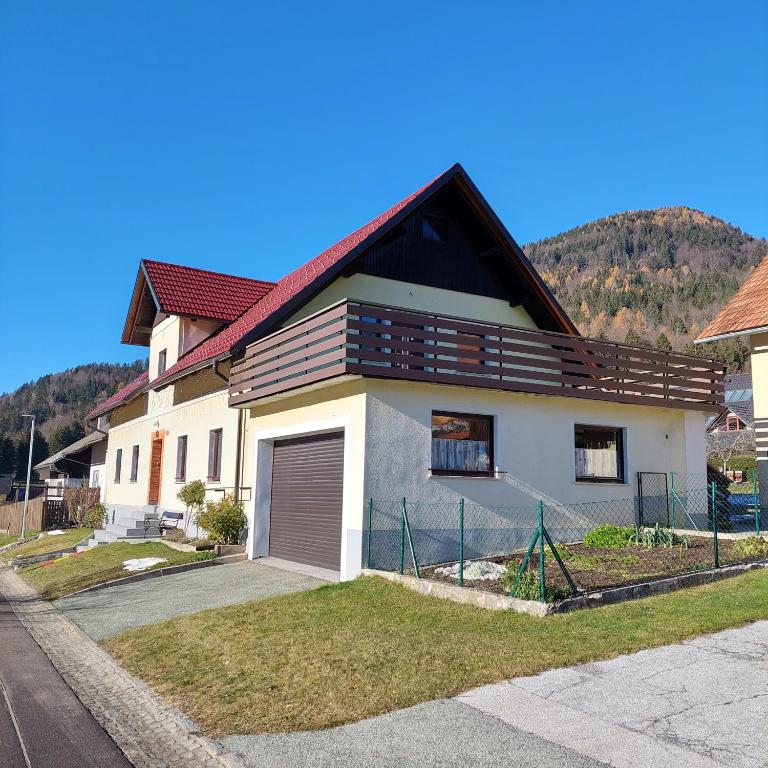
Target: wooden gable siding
{"type": "Point", "coordinates": [469, 261]}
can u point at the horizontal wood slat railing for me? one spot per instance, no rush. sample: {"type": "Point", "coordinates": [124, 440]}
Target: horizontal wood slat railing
{"type": "Point", "coordinates": [355, 338]}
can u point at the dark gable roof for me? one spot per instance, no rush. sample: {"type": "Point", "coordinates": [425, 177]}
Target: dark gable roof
{"type": "Point", "coordinates": [295, 289]}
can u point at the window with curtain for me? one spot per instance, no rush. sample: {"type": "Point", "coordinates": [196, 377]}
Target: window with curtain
{"type": "Point", "coordinates": [181, 459]}
{"type": "Point", "coordinates": [599, 454]}
{"type": "Point", "coordinates": [214, 455]}
{"type": "Point", "coordinates": [134, 463]}
{"type": "Point", "coordinates": [162, 361]}
{"type": "Point", "coordinates": [118, 464]}
{"type": "Point", "coordinates": [462, 444]}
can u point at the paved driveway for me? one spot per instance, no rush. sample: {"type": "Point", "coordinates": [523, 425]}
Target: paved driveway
{"type": "Point", "coordinates": [699, 704]}
{"type": "Point", "coordinates": [107, 612]}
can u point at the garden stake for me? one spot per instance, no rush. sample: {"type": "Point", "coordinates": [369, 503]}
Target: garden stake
{"type": "Point", "coordinates": [407, 527]}
{"type": "Point", "coordinates": [461, 542]}
{"type": "Point", "coordinates": [714, 525]}
{"type": "Point", "coordinates": [756, 502]}
{"type": "Point", "coordinates": [368, 547]}
{"type": "Point", "coordinates": [542, 588]}
{"type": "Point", "coordinates": [402, 538]}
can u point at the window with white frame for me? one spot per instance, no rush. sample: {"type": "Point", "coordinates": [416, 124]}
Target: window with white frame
{"type": "Point", "coordinates": [599, 454]}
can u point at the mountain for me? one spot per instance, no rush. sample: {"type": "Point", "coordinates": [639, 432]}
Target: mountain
{"type": "Point", "coordinates": [60, 401]}
{"type": "Point", "coordinates": [650, 277]}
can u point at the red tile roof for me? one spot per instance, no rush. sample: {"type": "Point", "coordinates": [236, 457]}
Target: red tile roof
{"type": "Point", "coordinates": [286, 289]}
{"type": "Point", "coordinates": [200, 293]}
{"type": "Point", "coordinates": [747, 309]}
{"type": "Point", "coordinates": [120, 396]}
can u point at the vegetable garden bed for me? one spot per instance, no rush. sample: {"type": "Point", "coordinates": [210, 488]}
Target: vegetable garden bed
{"type": "Point", "coordinates": [597, 568]}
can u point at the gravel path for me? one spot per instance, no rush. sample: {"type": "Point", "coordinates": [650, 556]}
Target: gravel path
{"type": "Point", "coordinates": [108, 612]}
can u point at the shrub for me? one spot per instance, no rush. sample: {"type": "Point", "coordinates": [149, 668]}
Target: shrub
{"type": "Point", "coordinates": [193, 496]}
{"type": "Point", "coordinates": [223, 520]}
{"type": "Point", "coordinates": [527, 588]}
{"type": "Point", "coordinates": [79, 500]}
{"type": "Point", "coordinates": [95, 516]}
{"type": "Point", "coordinates": [753, 546]}
{"type": "Point", "coordinates": [658, 537]}
{"type": "Point", "coordinates": [612, 536]}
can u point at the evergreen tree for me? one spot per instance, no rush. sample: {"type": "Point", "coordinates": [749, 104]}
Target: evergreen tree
{"type": "Point", "coordinates": [662, 343]}
{"type": "Point", "coordinates": [7, 456]}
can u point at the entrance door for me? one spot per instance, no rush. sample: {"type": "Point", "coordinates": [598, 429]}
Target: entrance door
{"type": "Point", "coordinates": [155, 471]}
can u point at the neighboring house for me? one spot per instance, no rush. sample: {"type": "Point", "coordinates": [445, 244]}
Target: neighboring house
{"type": "Point", "coordinates": [79, 463]}
{"type": "Point", "coordinates": [746, 316]}
{"type": "Point", "coordinates": [422, 356]}
{"type": "Point", "coordinates": [738, 414]}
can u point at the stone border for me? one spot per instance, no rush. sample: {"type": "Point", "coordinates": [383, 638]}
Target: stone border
{"type": "Point", "coordinates": [495, 602]}
{"type": "Point", "coordinates": [169, 570]}
{"type": "Point", "coordinates": [148, 732]}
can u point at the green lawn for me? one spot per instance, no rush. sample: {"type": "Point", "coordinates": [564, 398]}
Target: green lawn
{"type": "Point", "coordinates": [6, 539]}
{"type": "Point", "coordinates": [66, 575]}
{"type": "Point", "coordinates": [48, 543]}
{"type": "Point", "coordinates": [358, 649]}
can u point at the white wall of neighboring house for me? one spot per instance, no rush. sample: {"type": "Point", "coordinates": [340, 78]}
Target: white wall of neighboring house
{"type": "Point", "coordinates": [96, 478]}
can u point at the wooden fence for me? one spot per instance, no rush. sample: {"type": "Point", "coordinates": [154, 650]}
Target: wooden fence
{"type": "Point", "coordinates": [10, 516]}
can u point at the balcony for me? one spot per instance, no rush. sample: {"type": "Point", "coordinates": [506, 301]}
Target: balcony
{"type": "Point", "coordinates": [360, 339]}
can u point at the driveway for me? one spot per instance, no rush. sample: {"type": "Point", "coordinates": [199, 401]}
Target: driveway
{"type": "Point", "coordinates": [698, 704]}
{"type": "Point", "coordinates": [106, 612]}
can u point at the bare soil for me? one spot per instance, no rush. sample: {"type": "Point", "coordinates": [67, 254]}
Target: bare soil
{"type": "Point", "coordinates": [596, 568]}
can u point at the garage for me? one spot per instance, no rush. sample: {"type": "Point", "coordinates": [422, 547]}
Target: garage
{"type": "Point", "coordinates": [307, 489]}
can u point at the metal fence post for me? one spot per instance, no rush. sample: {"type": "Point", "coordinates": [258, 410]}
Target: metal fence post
{"type": "Point", "coordinates": [368, 543]}
{"type": "Point", "coordinates": [542, 586]}
{"type": "Point", "coordinates": [714, 524]}
{"type": "Point", "coordinates": [756, 501]}
{"type": "Point", "coordinates": [402, 537]}
{"type": "Point", "coordinates": [461, 542]}
{"type": "Point", "coordinates": [672, 494]}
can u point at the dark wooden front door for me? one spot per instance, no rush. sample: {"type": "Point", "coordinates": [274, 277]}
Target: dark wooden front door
{"type": "Point", "coordinates": [155, 471]}
{"type": "Point", "coordinates": [307, 489]}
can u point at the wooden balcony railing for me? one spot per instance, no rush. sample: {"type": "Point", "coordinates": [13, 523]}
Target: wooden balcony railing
{"type": "Point", "coordinates": [354, 338]}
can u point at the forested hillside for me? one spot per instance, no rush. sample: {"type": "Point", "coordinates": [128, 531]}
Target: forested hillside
{"type": "Point", "coordinates": [651, 277]}
{"type": "Point", "coordinates": [60, 401]}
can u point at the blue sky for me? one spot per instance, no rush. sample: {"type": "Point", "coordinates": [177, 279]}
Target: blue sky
{"type": "Point", "coordinates": [246, 137]}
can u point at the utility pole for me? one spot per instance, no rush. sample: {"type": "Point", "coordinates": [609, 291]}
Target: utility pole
{"type": "Point", "coordinates": [29, 472]}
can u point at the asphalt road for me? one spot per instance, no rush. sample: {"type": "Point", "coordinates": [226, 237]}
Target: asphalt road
{"type": "Point", "coordinates": [42, 722]}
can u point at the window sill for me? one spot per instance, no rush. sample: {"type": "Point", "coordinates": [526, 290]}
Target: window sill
{"type": "Point", "coordinates": [180, 480]}
{"type": "Point", "coordinates": [461, 476]}
{"type": "Point", "coordinates": [601, 482]}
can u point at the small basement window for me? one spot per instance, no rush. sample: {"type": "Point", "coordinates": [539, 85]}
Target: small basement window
{"type": "Point", "coordinates": [599, 454]}
{"type": "Point", "coordinates": [462, 444]}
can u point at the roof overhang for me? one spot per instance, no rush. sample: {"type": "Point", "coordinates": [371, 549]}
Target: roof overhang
{"type": "Point", "coordinates": [142, 311]}
{"type": "Point", "coordinates": [732, 335]}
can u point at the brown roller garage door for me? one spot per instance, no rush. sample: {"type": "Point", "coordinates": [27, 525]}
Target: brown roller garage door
{"type": "Point", "coordinates": [307, 483]}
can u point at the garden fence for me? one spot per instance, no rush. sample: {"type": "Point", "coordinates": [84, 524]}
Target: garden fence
{"type": "Point", "coordinates": [695, 516]}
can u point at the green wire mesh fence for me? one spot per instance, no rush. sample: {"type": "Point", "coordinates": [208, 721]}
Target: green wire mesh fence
{"type": "Point", "coordinates": [672, 525]}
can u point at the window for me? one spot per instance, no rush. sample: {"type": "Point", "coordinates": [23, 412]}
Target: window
{"type": "Point", "coordinates": [162, 360]}
{"type": "Point", "coordinates": [214, 455]}
{"type": "Point", "coordinates": [434, 229]}
{"type": "Point", "coordinates": [181, 459]}
{"type": "Point", "coordinates": [118, 464]}
{"type": "Point", "coordinates": [134, 463]}
{"type": "Point", "coordinates": [599, 454]}
{"type": "Point", "coordinates": [732, 423]}
{"type": "Point", "coordinates": [462, 444]}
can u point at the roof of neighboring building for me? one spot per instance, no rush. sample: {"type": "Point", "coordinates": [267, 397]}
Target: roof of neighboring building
{"type": "Point", "coordinates": [746, 311]}
{"type": "Point", "coordinates": [738, 381]}
{"type": "Point", "coordinates": [123, 394]}
{"type": "Point", "coordinates": [70, 450]}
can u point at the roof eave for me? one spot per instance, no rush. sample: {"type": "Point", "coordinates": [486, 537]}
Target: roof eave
{"type": "Point", "coordinates": [731, 334]}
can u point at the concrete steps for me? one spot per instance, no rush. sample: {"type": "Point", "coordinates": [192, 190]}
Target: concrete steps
{"type": "Point", "coordinates": [130, 524]}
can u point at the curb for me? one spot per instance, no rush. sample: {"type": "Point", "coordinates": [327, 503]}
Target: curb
{"type": "Point", "coordinates": [169, 570]}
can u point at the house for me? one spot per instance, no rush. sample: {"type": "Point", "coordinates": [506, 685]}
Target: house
{"type": "Point", "coordinates": [422, 357]}
{"type": "Point", "coordinates": [738, 414]}
{"type": "Point", "coordinates": [746, 316]}
{"type": "Point", "coordinates": [79, 463]}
